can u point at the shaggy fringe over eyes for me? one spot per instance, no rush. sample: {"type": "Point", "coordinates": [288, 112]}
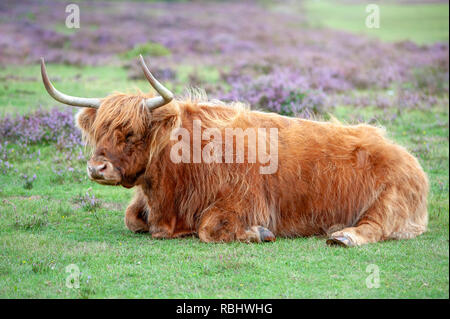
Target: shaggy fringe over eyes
{"type": "Point", "coordinates": [126, 113]}
{"type": "Point", "coordinates": [121, 111]}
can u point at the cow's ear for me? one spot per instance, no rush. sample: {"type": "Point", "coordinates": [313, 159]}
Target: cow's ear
{"type": "Point", "coordinates": [85, 118]}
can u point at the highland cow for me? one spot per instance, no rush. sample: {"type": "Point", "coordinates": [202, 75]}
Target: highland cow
{"type": "Point", "coordinates": [347, 182]}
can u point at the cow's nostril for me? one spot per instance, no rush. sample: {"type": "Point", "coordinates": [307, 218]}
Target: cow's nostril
{"type": "Point", "coordinates": [97, 171]}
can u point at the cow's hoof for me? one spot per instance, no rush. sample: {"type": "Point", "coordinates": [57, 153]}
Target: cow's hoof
{"type": "Point", "coordinates": [265, 234]}
{"type": "Point", "coordinates": [342, 241]}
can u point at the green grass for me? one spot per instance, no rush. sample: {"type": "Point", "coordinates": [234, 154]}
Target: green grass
{"type": "Point", "coordinates": [421, 23]}
{"type": "Point", "coordinates": [146, 49]}
{"type": "Point", "coordinates": [47, 228]}
{"type": "Point", "coordinates": [63, 29]}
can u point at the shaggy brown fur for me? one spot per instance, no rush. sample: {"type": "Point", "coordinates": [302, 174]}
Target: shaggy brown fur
{"type": "Point", "coordinates": [348, 182]}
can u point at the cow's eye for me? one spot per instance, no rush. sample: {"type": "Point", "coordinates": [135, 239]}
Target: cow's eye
{"type": "Point", "coordinates": [128, 137]}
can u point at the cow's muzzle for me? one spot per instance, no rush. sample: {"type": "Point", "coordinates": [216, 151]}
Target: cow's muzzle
{"type": "Point", "coordinates": [103, 172]}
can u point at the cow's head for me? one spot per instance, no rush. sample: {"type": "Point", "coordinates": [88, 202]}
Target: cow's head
{"type": "Point", "coordinates": [119, 129]}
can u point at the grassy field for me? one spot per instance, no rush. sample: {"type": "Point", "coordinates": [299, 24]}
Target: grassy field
{"type": "Point", "coordinates": [421, 23]}
{"type": "Point", "coordinates": [50, 223]}
{"type": "Point", "coordinates": [48, 227]}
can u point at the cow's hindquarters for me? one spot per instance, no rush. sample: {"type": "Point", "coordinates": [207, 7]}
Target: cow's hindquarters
{"type": "Point", "coordinates": [400, 211]}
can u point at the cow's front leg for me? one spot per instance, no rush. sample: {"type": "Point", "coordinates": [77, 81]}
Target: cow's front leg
{"type": "Point", "coordinates": [218, 225]}
{"type": "Point", "coordinates": [168, 226]}
{"type": "Point", "coordinates": [136, 215]}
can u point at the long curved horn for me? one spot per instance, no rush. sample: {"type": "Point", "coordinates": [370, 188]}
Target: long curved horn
{"type": "Point", "coordinates": [63, 98]}
{"type": "Point", "coordinates": [166, 95]}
